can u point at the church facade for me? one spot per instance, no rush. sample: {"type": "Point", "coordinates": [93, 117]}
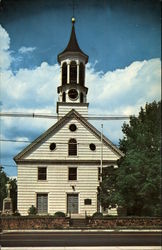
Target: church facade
{"type": "Point", "coordinates": [60, 170]}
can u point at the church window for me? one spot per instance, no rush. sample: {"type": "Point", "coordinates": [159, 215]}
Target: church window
{"type": "Point", "coordinates": [42, 173]}
{"type": "Point", "coordinates": [81, 97]}
{"type": "Point", "coordinates": [64, 97]}
{"type": "Point", "coordinates": [73, 127]}
{"type": "Point", "coordinates": [73, 72]}
{"type": "Point", "coordinates": [72, 174]}
{"type": "Point", "coordinates": [64, 73]}
{"type": "Point", "coordinates": [92, 146]}
{"type": "Point", "coordinates": [87, 202]}
{"type": "Point", "coordinates": [52, 146]}
{"type": "Point", "coordinates": [81, 74]}
{"type": "Point", "coordinates": [72, 147]}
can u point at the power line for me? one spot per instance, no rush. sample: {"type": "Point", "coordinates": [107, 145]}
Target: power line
{"type": "Point", "coordinates": [55, 116]}
{"type": "Point", "coordinates": [10, 140]}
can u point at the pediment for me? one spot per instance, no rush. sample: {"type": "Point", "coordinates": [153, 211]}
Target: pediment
{"type": "Point", "coordinates": [39, 148]}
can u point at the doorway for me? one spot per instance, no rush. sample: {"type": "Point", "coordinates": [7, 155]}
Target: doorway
{"type": "Point", "coordinates": [72, 203]}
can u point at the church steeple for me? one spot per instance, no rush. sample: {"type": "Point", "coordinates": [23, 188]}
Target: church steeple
{"type": "Point", "coordinates": [72, 91]}
{"type": "Point", "coordinates": [72, 45]}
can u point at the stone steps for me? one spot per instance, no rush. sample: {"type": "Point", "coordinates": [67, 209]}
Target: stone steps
{"type": "Point", "coordinates": [78, 223]}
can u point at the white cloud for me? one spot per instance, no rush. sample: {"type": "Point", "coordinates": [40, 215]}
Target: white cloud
{"type": "Point", "coordinates": [5, 57]}
{"type": "Point", "coordinates": [24, 50]}
{"type": "Point", "coordinates": [5, 39]}
{"type": "Point", "coordinates": [123, 91]}
{"type": "Point", "coordinates": [30, 88]}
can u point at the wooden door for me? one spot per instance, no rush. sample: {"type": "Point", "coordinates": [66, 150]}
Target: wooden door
{"type": "Point", "coordinates": [42, 203]}
{"type": "Point", "coordinates": [72, 203]}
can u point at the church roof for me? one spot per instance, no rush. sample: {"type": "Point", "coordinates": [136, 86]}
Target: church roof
{"type": "Point", "coordinates": [73, 45]}
{"type": "Point", "coordinates": [72, 114]}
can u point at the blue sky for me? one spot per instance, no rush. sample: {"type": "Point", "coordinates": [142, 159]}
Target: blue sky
{"type": "Point", "coordinates": [122, 39]}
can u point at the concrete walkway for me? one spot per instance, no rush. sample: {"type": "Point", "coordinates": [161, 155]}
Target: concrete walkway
{"type": "Point", "coordinates": [80, 230]}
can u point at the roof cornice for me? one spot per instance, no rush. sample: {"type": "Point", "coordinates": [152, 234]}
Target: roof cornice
{"type": "Point", "coordinates": [72, 114]}
{"type": "Point", "coordinates": [64, 162]}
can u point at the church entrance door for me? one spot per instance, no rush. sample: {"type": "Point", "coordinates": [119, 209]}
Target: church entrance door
{"type": "Point", "coordinates": [72, 203]}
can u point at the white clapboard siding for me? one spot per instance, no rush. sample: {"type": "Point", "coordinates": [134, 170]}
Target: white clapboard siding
{"type": "Point", "coordinates": [57, 186]}
{"type": "Point", "coordinates": [83, 136]}
{"type": "Point", "coordinates": [63, 110]}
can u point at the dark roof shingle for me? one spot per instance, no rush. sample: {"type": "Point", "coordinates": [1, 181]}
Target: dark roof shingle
{"type": "Point", "coordinates": [73, 45]}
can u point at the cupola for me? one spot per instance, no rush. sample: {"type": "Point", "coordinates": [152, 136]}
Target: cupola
{"type": "Point", "coordinates": [72, 93]}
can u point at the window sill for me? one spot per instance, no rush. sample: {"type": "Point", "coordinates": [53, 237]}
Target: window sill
{"type": "Point", "coordinates": [42, 180]}
{"type": "Point", "coordinates": [73, 181]}
{"type": "Point", "coordinates": [72, 156]}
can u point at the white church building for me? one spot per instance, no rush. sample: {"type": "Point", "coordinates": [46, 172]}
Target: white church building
{"type": "Point", "coordinates": [60, 170]}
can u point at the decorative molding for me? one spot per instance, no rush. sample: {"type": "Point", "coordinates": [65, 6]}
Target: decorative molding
{"type": "Point", "coordinates": [64, 162]}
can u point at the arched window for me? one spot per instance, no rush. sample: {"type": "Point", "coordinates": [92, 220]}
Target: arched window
{"type": "Point", "coordinates": [64, 97]}
{"type": "Point", "coordinates": [81, 97]}
{"type": "Point", "coordinates": [72, 147]}
{"type": "Point", "coordinates": [64, 73]}
{"type": "Point", "coordinates": [73, 72]}
{"type": "Point", "coordinates": [81, 73]}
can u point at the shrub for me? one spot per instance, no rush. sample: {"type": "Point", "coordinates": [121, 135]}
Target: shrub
{"type": "Point", "coordinates": [59, 214]}
{"type": "Point", "coordinates": [97, 215]}
{"type": "Point", "coordinates": [110, 216]}
{"type": "Point", "coordinates": [16, 213]}
{"type": "Point", "coordinates": [32, 210]}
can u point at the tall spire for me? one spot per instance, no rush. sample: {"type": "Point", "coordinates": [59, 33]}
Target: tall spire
{"type": "Point", "coordinates": [72, 44]}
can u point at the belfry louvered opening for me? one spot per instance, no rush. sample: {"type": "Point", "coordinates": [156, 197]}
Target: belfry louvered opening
{"type": "Point", "coordinates": [73, 72]}
{"type": "Point", "coordinates": [81, 74]}
{"type": "Point", "coordinates": [64, 73]}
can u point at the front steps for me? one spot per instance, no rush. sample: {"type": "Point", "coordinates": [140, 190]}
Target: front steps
{"type": "Point", "coordinates": [78, 223]}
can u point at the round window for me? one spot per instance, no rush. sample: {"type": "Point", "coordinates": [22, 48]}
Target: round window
{"type": "Point", "coordinates": [52, 146]}
{"type": "Point", "coordinates": [72, 127]}
{"type": "Point", "coordinates": [92, 146]}
{"type": "Point", "coordinates": [73, 94]}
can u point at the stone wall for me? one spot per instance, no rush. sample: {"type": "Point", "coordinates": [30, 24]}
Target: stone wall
{"type": "Point", "coordinates": [49, 222]}
{"type": "Point", "coordinates": [126, 222]}
{"type": "Point", "coordinates": [31, 222]}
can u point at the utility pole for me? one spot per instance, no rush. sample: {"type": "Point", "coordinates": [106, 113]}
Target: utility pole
{"type": "Point", "coordinates": [101, 162]}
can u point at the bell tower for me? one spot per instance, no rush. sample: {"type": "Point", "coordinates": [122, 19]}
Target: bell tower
{"type": "Point", "coordinates": [72, 93]}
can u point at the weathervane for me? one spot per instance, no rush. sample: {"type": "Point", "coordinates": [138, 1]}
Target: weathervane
{"type": "Point", "coordinates": [73, 18]}
{"type": "Point", "coordinates": [73, 8]}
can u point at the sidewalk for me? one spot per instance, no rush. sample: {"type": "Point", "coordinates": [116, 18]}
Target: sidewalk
{"type": "Point", "coordinates": [84, 248]}
{"type": "Point", "coordinates": [80, 230]}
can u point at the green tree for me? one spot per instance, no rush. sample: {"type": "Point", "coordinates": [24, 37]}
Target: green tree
{"type": "Point", "coordinates": [3, 191]}
{"type": "Point", "coordinates": [137, 180]}
{"type": "Point", "coordinates": [107, 189]}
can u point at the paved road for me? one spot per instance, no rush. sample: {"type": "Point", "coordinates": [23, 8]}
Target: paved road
{"type": "Point", "coordinates": [37, 239]}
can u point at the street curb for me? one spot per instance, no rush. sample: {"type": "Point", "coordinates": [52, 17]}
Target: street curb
{"type": "Point", "coordinates": [86, 248]}
{"type": "Point", "coordinates": [79, 230]}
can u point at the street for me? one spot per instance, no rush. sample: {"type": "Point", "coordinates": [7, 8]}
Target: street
{"type": "Point", "coordinates": [36, 239]}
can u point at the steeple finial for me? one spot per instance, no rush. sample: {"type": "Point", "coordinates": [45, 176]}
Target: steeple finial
{"type": "Point", "coordinates": [73, 20]}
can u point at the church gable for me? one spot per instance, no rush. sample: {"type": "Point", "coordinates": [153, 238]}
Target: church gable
{"type": "Point", "coordinates": [75, 132]}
